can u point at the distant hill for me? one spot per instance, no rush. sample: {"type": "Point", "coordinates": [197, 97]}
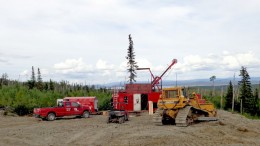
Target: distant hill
{"type": "Point", "coordinates": [195, 82]}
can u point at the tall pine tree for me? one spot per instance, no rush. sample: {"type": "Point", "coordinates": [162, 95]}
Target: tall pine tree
{"type": "Point", "coordinates": [51, 85]}
{"type": "Point", "coordinates": [131, 64]}
{"type": "Point", "coordinates": [246, 94]}
{"type": "Point", "coordinates": [39, 83]}
{"type": "Point", "coordinates": [229, 96]}
{"type": "Point", "coordinates": [31, 83]}
{"type": "Point", "coordinates": [256, 108]}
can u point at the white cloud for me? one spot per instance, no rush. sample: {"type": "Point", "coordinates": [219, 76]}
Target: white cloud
{"type": "Point", "coordinates": [204, 40]}
{"type": "Point", "coordinates": [101, 64]}
{"type": "Point", "coordinates": [235, 61]}
{"type": "Point", "coordinates": [72, 65]}
{"type": "Point", "coordinates": [25, 73]}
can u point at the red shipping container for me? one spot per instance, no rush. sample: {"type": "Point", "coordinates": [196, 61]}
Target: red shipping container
{"type": "Point", "coordinates": [90, 101]}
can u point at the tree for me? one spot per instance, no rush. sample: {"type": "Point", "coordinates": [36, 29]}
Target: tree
{"type": "Point", "coordinates": [4, 79]}
{"type": "Point", "coordinates": [33, 75]}
{"type": "Point", "coordinates": [51, 85]}
{"type": "Point", "coordinates": [31, 83]}
{"type": "Point", "coordinates": [46, 86]}
{"type": "Point", "coordinates": [131, 64]}
{"type": "Point", "coordinates": [229, 96]}
{"type": "Point", "coordinates": [256, 100]}
{"type": "Point", "coordinates": [246, 91]}
{"type": "Point", "coordinates": [212, 79]}
{"type": "Point", "coordinates": [39, 83]}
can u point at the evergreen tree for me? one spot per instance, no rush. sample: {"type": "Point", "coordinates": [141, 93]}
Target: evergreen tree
{"type": "Point", "coordinates": [131, 64]}
{"type": "Point", "coordinates": [4, 79]}
{"type": "Point", "coordinates": [229, 96]}
{"type": "Point", "coordinates": [39, 80]}
{"type": "Point", "coordinates": [212, 79]}
{"type": "Point", "coordinates": [256, 100]}
{"type": "Point", "coordinates": [246, 91]}
{"type": "Point", "coordinates": [51, 85]}
{"type": "Point", "coordinates": [46, 86]}
{"type": "Point", "coordinates": [31, 83]}
{"type": "Point", "coordinates": [33, 75]}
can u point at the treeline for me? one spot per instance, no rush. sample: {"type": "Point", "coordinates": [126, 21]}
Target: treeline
{"type": "Point", "coordinates": [242, 98]}
{"type": "Point", "coordinates": [22, 97]}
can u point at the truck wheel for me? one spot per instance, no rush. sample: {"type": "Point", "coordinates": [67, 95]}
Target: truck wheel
{"type": "Point", "coordinates": [51, 117]}
{"type": "Point", "coordinates": [126, 118]}
{"type": "Point", "coordinates": [121, 120]}
{"type": "Point", "coordinates": [108, 120]}
{"type": "Point", "coordinates": [85, 114]}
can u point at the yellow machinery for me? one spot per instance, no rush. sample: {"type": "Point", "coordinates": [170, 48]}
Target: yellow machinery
{"type": "Point", "coordinates": [175, 107]}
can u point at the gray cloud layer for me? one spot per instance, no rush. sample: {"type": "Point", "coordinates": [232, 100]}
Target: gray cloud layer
{"type": "Point", "coordinates": [87, 40]}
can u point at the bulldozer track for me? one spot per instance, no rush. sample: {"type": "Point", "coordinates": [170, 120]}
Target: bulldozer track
{"type": "Point", "coordinates": [157, 118]}
{"type": "Point", "coordinates": [181, 118]}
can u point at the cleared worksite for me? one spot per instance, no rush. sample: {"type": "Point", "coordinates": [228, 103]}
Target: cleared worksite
{"type": "Point", "coordinates": [231, 129]}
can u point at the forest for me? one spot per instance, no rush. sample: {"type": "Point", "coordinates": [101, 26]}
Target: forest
{"type": "Point", "coordinates": [21, 97]}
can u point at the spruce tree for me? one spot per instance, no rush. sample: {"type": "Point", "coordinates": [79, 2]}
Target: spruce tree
{"type": "Point", "coordinates": [131, 64]}
{"type": "Point", "coordinates": [246, 94]}
{"type": "Point", "coordinates": [4, 79]}
{"type": "Point", "coordinates": [46, 86]}
{"type": "Point", "coordinates": [256, 100]}
{"type": "Point", "coordinates": [31, 83]}
{"type": "Point", "coordinates": [212, 79]}
{"type": "Point", "coordinates": [39, 84]}
{"type": "Point", "coordinates": [51, 85]}
{"type": "Point", "coordinates": [33, 75]}
{"type": "Point", "coordinates": [229, 96]}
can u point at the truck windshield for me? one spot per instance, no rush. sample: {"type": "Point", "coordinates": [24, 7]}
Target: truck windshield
{"type": "Point", "coordinates": [60, 104]}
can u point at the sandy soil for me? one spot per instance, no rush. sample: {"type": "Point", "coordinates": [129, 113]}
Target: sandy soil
{"type": "Point", "coordinates": [231, 129]}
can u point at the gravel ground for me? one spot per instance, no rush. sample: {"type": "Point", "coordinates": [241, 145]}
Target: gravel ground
{"type": "Point", "coordinates": [231, 129]}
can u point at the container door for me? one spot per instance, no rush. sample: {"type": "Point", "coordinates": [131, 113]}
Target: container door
{"type": "Point", "coordinates": [96, 105]}
{"type": "Point", "coordinates": [137, 102]}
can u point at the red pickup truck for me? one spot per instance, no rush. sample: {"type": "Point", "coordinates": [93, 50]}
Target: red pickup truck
{"type": "Point", "coordinates": [65, 108]}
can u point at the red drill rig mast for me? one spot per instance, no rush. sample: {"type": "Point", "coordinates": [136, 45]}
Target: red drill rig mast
{"type": "Point", "coordinates": [155, 80]}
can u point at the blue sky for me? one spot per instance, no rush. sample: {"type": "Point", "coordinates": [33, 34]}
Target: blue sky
{"type": "Point", "coordinates": [86, 40]}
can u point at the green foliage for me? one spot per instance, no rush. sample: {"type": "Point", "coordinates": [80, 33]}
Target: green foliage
{"type": "Point", "coordinates": [246, 94]}
{"type": "Point", "coordinates": [22, 99]}
{"type": "Point", "coordinates": [215, 100]}
{"type": "Point", "coordinates": [229, 96]}
{"type": "Point", "coordinates": [39, 83]}
{"type": "Point", "coordinates": [251, 116]}
{"type": "Point", "coordinates": [131, 64]}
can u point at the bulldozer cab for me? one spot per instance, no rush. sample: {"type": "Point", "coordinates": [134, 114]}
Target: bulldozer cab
{"type": "Point", "coordinates": [172, 98]}
{"type": "Point", "coordinates": [175, 92]}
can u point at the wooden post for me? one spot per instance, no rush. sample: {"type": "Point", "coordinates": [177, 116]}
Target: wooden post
{"type": "Point", "coordinates": [221, 100]}
{"type": "Point", "coordinates": [150, 107]}
{"type": "Point", "coordinates": [233, 100]}
{"type": "Point", "coordinates": [241, 106]}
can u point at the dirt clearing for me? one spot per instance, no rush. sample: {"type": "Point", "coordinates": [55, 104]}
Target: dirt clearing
{"type": "Point", "coordinates": [231, 129]}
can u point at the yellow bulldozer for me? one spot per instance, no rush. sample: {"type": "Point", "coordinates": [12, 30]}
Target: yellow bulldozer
{"type": "Point", "coordinates": [175, 106]}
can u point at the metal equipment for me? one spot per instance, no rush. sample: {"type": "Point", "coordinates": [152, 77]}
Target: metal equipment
{"type": "Point", "coordinates": [117, 116]}
{"type": "Point", "coordinates": [175, 107]}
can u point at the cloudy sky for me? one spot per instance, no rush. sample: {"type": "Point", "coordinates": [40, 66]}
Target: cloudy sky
{"type": "Point", "coordinates": [87, 40]}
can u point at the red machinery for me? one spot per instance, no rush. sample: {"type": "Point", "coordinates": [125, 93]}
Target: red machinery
{"type": "Point", "coordinates": [135, 97]}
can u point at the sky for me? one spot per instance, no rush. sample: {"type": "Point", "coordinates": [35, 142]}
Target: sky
{"type": "Point", "coordinates": [86, 41]}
